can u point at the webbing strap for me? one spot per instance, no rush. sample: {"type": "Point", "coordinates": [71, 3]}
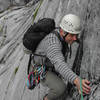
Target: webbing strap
{"type": "Point", "coordinates": [65, 36]}
{"type": "Point", "coordinates": [39, 55]}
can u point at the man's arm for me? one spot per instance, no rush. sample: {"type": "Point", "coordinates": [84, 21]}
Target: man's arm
{"type": "Point", "coordinates": [53, 52]}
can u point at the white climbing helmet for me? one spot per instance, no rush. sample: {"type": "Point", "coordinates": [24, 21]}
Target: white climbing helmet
{"type": "Point", "coordinates": [71, 23]}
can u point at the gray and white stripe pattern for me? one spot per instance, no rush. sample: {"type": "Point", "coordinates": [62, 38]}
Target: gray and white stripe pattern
{"type": "Point", "coordinates": [51, 47]}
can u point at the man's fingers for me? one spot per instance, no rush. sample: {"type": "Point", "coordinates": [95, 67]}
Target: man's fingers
{"type": "Point", "coordinates": [87, 82]}
{"type": "Point", "coordinates": [85, 85]}
{"type": "Point", "coordinates": [85, 90]}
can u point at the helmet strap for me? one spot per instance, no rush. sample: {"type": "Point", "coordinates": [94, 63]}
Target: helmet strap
{"type": "Point", "coordinates": [70, 48]}
{"type": "Point", "coordinates": [65, 36]}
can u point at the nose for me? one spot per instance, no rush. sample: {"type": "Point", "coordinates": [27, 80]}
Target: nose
{"type": "Point", "coordinates": [74, 37]}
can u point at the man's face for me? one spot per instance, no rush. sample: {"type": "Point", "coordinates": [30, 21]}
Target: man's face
{"type": "Point", "coordinates": [70, 38]}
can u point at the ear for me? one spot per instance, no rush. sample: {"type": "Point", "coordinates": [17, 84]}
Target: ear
{"type": "Point", "coordinates": [61, 32]}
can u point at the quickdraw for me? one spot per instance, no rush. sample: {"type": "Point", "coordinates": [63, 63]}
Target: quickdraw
{"type": "Point", "coordinates": [38, 73]}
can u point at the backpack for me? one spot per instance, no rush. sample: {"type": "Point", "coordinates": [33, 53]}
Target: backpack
{"type": "Point", "coordinates": [31, 39]}
{"type": "Point", "coordinates": [37, 32]}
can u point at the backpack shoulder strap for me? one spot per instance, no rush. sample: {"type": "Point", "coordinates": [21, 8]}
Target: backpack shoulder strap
{"type": "Point", "coordinates": [29, 63]}
{"type": "Point", "coordinates": [64, 44]}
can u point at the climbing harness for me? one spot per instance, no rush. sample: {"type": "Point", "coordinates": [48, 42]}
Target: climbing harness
{"type": "Point", "coordinates": [81, 89]}
{"type": "Point", "coordinates": [38, 73]}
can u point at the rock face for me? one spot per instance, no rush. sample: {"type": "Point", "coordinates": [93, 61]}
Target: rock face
{"type": "Point", "coordinates": [85, 58]}
{"type": "Point", "coordinates": [5, 4]}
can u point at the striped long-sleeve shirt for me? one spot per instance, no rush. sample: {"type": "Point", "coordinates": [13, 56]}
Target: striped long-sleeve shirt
{"type": "Point", "coordinates": [51, 46]}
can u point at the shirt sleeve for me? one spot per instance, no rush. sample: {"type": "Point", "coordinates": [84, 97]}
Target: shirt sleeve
{"type": "Point", "coordinates": [54, 53]}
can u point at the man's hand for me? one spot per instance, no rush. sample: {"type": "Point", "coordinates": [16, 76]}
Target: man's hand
{"type": "Point", "coordinates": [85, 85]}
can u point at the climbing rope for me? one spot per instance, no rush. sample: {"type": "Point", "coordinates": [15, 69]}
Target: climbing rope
{"type": "Point", "coordinates": [38, 73]}
{"type": "Point", "coordinates": [36, 11]}
{"type": "Point", "coordinates": [81, 89]}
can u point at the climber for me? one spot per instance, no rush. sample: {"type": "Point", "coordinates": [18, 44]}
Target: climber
{"type": "Point", "coordinates": [56, 47]}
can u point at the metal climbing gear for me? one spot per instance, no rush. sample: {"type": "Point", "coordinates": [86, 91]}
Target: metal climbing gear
{"type": "Point", "coordinates": [38, 73]}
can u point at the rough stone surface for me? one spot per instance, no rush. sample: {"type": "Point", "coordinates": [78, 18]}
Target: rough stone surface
{"type": "Point", "coordinates": [85, 58]}
{"type": "Point", "coordinates": [6, 4]}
